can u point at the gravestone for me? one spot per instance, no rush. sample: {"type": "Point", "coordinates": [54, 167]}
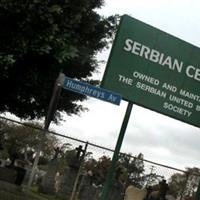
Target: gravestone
{"type": "Point", "coordinates": [47, 185]}
{"type": "Point", "coordinates": [67, 183]}
{"type": "Point", "coordinates": [134, 193]}
{"type": "Point", "coordinates": [87, 189]}
{"type": "Point", "coordinates": [58, 180]}
{"type": "Point", "coordinates": [8, 174]}
{"type": "Point", "coordinates": [21, 172]}
{"type": "Point", "coordinates": [12, 173]}
{"type": "Point", "coordinates": [70, 174]}
{"type": "Point", "coordinates": [28, 173]}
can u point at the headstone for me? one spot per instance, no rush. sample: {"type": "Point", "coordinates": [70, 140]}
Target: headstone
{"type": "Point", "coordinates": [87, 189]}
{"type": "Point", "coordinates": [134, 193]}
{"type": "Point", "coordinates": [70, 174]}
{"type": "Point", "coordinates": [21, 172]}
{"type": "Point", "coordinates": [58, 180]}
{"type": "Point", "coordinates": [47, 185]}
{"type": "Point", "coordinates": [48, 180]}
{"type": "Point", "coordinates": [12, 174]}
{"type": "Point", "coordinates": [8, 174]}
{"type": "Point", "coordinates": [67, 183]}
{"type": "Point", "coordinates": [28, 173]}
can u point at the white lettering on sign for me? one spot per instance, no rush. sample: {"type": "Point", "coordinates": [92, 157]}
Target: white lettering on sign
{"type": "Point", "coordinates": [193, 72]}
{"type": "Point", "coordinates": [176, 109]}
{"type": "Point", "coordinates": [150, 89]}
{"type": "Point", "coordinates": [152, 55]}
{"type": "Point", "coordinates": [180, 101]}
{"type": "Point", "coordinates": [112, 98]}
{"type": "Point", "coordinates": [92, 91]}
{"type": "Point", "coordinates": [189, 95]}
{"type": "Point", "coordinates": [160, 58]}
{"type": "Point", "coordinates": [169, 87]}
{"type": "Point", "coordinates": [125, 80]}
{"type": "Point", "coordinates": [146, 78]}
{"type": "Point", "coordinates": [85, 89]}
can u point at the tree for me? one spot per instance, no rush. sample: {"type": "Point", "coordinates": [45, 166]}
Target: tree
{"type": "Point", "coordinates": [39, 38]}
{"type": "Point", "coordinates": [99, 168]}
{"type": "Point", "coordinates": [23, 141]}
{"type": "Point", "coordinates": [134, 169]}
{"type": "Point", "coordinates": [128, 170]}
{"type": "Point", "coordinates": [184, 184]}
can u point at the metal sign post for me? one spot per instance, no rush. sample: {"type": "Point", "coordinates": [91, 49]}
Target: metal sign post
{"type": "Point", "coordinates": [109, 177]}
{"type": "Point", "coordinates": [51, 110]}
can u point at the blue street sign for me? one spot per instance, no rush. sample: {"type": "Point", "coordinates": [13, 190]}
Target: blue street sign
{"type": "Point", "coordinates": [92, 91]}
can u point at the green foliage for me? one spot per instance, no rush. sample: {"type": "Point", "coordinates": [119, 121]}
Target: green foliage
{"type": "Point", "coordinates": [128, 170]}
{"type": "Point", "coordinates": [23, 141]}
{"type": "Point", "coordinates": [40, 38]}
{"type": "Point", "coordinates": [184, 184]}
{"type": "Point", "coordinates": [134, 169]}
{"type": "Point", "coordinates": [99, 168]}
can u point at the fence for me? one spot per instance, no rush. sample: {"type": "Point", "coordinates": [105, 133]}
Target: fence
{"type": "Point", "coordinates": [81, 163]}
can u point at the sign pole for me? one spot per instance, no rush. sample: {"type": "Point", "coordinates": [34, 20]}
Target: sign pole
{"type": "Point", "coordinates": [51, 110]}
{"type": "Point", "coordinates": [110, 174]}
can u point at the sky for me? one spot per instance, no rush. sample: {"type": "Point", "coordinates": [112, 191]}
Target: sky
{"type": "Point", "coordinates": [160, 138]}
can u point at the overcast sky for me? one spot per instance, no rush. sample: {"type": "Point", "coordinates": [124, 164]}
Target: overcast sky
{"type": "Point", "coordinates": [159, 138]}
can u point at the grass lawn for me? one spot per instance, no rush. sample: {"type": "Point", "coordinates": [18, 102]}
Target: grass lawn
{"type": "Point", "coordinates": [11, 192]}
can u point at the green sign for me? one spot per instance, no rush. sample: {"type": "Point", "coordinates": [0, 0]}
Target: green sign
{"type": "Point", "coordinates": [155, 70]}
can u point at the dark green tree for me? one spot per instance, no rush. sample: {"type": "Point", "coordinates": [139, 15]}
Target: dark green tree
{"type": "Point", "coordinates": [39, 38]}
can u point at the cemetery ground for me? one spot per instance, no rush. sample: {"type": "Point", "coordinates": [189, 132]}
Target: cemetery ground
{"type": "Point", "coordinates": [12, 192]}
